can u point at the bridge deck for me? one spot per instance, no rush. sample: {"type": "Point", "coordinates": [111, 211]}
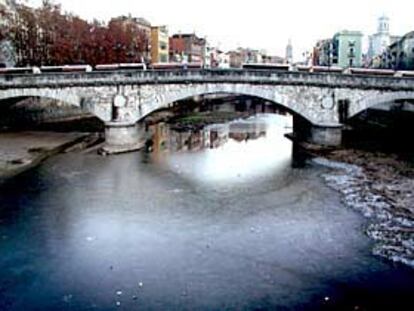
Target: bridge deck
{"type": "Point", "coordinates": [139, 77]}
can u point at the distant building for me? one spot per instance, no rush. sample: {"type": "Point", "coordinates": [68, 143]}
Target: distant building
{"type": "Point", "coordinates": [379, 44]}
{"type": "Point", "coordinates": [343, 50]}
{"type": "Point", "coordinates": [272, 59]}
{"type": "Point", "coordinates": [289, 52]}
{"type": "Point", "coordinates": [216, 58]}
{"type": "Point", "coordinates": [250, 56]}
{"type": "Point", "coordinates": [187, 47]}
{"type": "Point", "coordinates": [210, 57]}
{"type": "Point", "coordinates": [399, 55]}
{"type": "Point", "coordinates": [322, 53]}
{"type": "Point", "coordinates": [347, 49]}
{"type": "Point", "coordinates": [159, 44]}
{"type": "Point", "coordinates": [177, 48]}
{"type": "Point", "coordinates": [223, 60]}
{"type": "Point", "coordinates": [142, 25]}
{"type": "Point", "coordinates": [236, 59]}
{"type": "Point", "coordinates": [242, 56]}
{"type": "Point", "coordinates": [381, 40]}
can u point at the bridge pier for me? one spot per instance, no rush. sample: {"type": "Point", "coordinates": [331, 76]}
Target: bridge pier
{"type": "Point", "coordinates": [329, 136]}
{"type": "Point", "coordinates": [317, 134]}
{"type": "Point", "coordinates": [122, 137]}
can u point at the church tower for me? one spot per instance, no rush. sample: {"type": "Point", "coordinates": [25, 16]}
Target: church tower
{"type": "Point", "coordinates": [379, 41]}
{"type": "Point", "coordinates": [384, 25]}
{"type": "Point", "coordinates": [289, 52]}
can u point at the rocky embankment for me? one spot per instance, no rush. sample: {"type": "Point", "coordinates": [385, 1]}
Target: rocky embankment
{"type": "Point", "coordinates": [382, 188]}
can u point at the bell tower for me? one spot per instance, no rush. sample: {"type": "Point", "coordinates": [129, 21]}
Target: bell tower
{"type": "Point", "coordinates": [289, 52]}
{"type": "Point", "coordinates": [384, 25]}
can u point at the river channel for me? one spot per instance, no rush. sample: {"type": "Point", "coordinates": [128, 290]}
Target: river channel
{"type": "Point", "coordinates": [212, 220]}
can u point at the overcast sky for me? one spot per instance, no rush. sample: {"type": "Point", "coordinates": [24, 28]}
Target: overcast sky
{"type": "Point", "coordinates": [261, 24]}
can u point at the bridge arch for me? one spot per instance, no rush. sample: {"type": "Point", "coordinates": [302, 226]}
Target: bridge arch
{"type": "Point", "coordinates": [69, 97]}
{"type": "Point", "coordinates": [275, 94]}
{"type": "Point", "coordinates": [377, 99]}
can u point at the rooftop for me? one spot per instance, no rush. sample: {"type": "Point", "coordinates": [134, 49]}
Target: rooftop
{"type": "Point", "coordinates": [349, 33]}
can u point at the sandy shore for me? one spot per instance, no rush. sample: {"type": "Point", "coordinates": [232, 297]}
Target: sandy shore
{"type": "Point", "coordinates": [23, 150]}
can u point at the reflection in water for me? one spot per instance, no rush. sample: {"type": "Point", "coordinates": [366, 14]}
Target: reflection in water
{"type": "Point", "coordinates": [239, 150]}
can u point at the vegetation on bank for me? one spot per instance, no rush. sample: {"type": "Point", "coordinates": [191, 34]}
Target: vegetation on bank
{"type": "Point", "coordinates": [196, 120]}
{"type": "Point", "coordinates": [48, 36]}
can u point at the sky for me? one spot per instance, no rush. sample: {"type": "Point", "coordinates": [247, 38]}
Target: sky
{"type": "Point", "coordinates": [259, 24]}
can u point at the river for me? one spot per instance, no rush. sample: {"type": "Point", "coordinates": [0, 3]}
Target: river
{"type": "Point", "coordinates": [213, 220]}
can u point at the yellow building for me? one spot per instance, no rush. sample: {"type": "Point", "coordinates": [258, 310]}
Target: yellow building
{"type": "Point", "coordinates": [159, 44]}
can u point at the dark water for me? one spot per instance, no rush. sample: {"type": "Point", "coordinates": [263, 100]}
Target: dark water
{"type": "Point", "coordinates": [217, 220]}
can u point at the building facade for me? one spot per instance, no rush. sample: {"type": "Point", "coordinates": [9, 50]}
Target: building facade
{"type": "Point", "coordinates": [399, 55]}
{"type": "Point", "coordinates": [251, 56]}
{"type": "Point", "coordinates": [223, 60]}
{"type": "Point", "coordinates": [343, 50]}
{"type": "Point", "coordinates": [236, 59]}
{"type": "Point", "coordinates": [143, 25]}
{"type": "Point", "coordinates": [347, 49]}
{"type": "Point", "coordinates": [272, 59]}
{"type": "Point", "coordinates": [187, 47]}
{"type": "Point", "coordinates": [159, 44]}
{"type": "Point", "coordinates": [323, 53]}
{"type": "Point", "coordinates": [216, 58]}
{"type": "Point", "coordinates": [242, 56]}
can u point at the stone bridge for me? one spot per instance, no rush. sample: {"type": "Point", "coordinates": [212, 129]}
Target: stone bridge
{"type": "Point", "coordinates": [123, 98]}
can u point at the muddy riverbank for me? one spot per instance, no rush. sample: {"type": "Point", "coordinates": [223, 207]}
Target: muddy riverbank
{"type": "Point", "coordinates": [381, 187]}
{"type": "Point", "coordinates": [21, 151]}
